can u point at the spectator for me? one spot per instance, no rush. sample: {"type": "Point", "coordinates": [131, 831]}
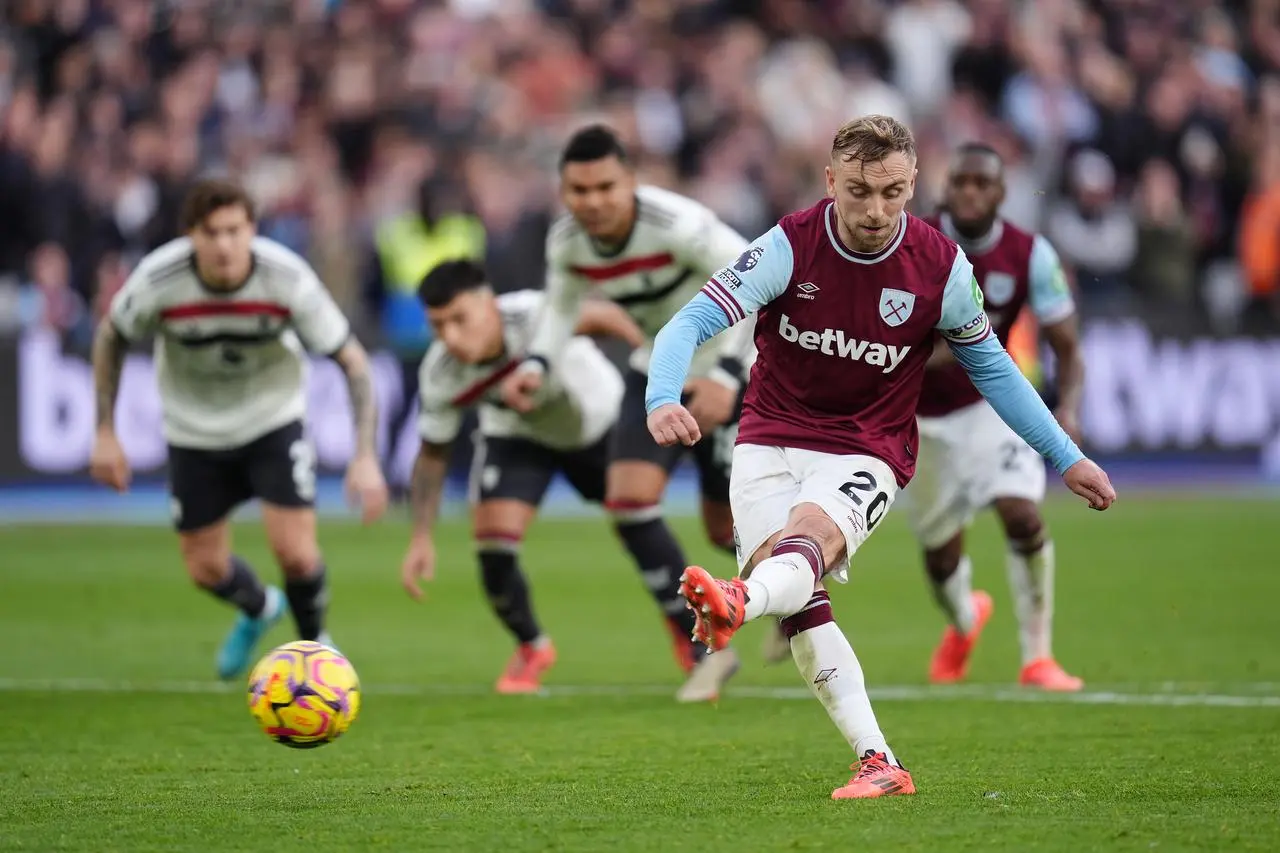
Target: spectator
{"type": "Point", "coordinates": [335, 111]}
{"type": "Point", "coordinates": [1164, 267]}
{"type": "Point", "coordinates": [1094, 231]}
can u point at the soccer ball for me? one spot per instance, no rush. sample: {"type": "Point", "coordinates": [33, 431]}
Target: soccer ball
{"type": "Point", "coordinates": [304, 695]}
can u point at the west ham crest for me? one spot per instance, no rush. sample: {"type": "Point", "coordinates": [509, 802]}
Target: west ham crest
{"type": "Point", "coordinates": [896, 305]}
{"type": "Point", "coordinates": [998, 288]}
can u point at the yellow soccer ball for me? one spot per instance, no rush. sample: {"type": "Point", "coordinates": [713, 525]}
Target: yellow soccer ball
{"type": "Point", "coordinates": [304, 695]}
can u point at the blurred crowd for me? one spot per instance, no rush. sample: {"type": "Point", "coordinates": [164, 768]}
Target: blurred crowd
{"type": "Point", "coordinates": [1142, 136]}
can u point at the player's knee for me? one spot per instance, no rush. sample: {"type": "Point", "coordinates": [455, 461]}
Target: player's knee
{"type": "Point", "coordinates": [941, 563]}
{"type": "Point", "coordinates": [297, 559]}
{"type": "Point", "coordinates": [1022, 523]}
{"type": "Point", "coordinates": [636, 485]}
{"type": "Point", "coordinates": [206, 556]}
{"type": "Point", "coordinates": [206, 571]}
{"type": "Point", "coordinates": [811, 521]}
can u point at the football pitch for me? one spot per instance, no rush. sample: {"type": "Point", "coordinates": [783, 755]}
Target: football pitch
{"type": "Point", "coordinates": [115, 736]}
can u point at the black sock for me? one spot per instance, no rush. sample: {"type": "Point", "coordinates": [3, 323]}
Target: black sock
{"type": "Point", "coordinates": [308, 600]}
{"type": "Point", "coordinates": [661, 562]}
{"type": "Point", "coordinates": [242, 589]}
{"type": "Point", "coordinates": [508, 593]}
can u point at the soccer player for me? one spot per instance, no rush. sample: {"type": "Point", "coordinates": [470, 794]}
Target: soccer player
{"type": "Point", "coordinates": [969, 458]}
{"type": "Point", "coordinates": [480, 339]}
{"type": "Point", "coordinates": [231, 313]}
{"type": "Point", "coordinates": [850, 294]}
{"type": "Point", "coordinates": [649, 251]}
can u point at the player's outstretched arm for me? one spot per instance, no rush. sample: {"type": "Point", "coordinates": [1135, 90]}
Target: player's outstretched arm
{"type": "Point", "coordinates": [107, 462]}
{"type": "Point", "coordinates": [425, 489]}
{"type": "Point", "coordinates": [1001, 382]}
{"type": "Point", "coordinates": [365, 483]}
{"type": "Point", "coordinates": [734, 293]}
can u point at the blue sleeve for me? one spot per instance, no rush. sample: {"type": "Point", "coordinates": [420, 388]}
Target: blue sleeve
{"type": "Point", "coordinates": [963, 321]}
{"type": "Point", "coordinates": [1016, 401]}
{"type": "Point", "coordinates": [759, 276]}
{"type": "Point", "coordinates": [1050, 296]}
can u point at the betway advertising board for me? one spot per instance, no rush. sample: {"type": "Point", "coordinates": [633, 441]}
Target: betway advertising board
{"type": "Point", "coordinates": [1143, 394]}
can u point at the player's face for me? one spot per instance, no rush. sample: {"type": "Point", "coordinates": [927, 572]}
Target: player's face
{"type": "Point", "coordinates": [975, 190]}
{"type": "Point", "coordinates": [870, 198]}
{"type": "Point", "coordinates": [469, 326]}
{"type": "Point", "coordinates": [600, 195]}
{"type": "Point", "coordinates": [222, 241]}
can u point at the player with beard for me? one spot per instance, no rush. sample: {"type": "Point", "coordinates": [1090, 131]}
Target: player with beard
{"type": "Point", "coordinates": [969, 458]}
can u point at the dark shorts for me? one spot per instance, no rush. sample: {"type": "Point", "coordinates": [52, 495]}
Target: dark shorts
{"type": "Point", "coordinates": [713, 455]}
{"type": "Point", "coordinates": [206, 485]}
{"type": "Point", "coordinates": [521, 470]}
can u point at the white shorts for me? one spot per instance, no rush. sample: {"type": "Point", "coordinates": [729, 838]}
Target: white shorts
{"type": "Point", "coordinates": [767, 482]}
{"type": "Point", "coordinates": [967, 459]}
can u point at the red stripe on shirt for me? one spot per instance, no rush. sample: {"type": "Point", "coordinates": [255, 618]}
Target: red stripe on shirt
{"type": "Point", "coordinates": [473, 394]}
{"type": "Point", "coordinates": [222, 309]}
{"type": "Point", "coordinates": [967, 342]}
{"type": "Point", "coordinates": [715, 289]}
{"type": "Point", "coordinates": [643, 263]}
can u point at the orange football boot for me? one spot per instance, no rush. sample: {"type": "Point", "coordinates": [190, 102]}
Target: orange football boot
{"type": "Point", "coordinates": [1046, 674]}
{"type": "Point", "coordinates": [525, 669]}
{"type": "Point", "coordinates": [951, 659]}
{"type": "Point", "coordinates": [720, 606]}
{"type": "Point", "coordinates": [876, 777]}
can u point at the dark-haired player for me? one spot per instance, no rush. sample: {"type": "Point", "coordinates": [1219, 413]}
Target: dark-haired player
{"type": "Point", "coordinates": [969, 458]}
{"type": "Point", "coordinates": [232, 315]}
{"type": "Point", "coordinates": [850, 296]}
{"type": "Point", "coordinates": [649, 251]}
{"type": "Point", "coordinates": [480, 338]}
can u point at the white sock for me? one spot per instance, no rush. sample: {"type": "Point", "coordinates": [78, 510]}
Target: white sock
{"type": "Point", "coordinates": [779, 586]}
{"type": "Point", "coordinates": [955, 596]}
{"type": "Point", "coordinates": [828, 665]}
{"type": "Point", "coordinates": [1031, 579]}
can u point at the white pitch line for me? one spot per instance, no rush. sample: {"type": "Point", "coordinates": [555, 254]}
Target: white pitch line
{"type": "Point", "coordinates": [899, 693]}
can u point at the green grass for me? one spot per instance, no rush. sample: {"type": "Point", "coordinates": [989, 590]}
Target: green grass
{"type": "Point", "coordinates": [1156, 598]}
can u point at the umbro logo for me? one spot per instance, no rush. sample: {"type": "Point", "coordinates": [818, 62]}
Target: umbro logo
{"type": "Point", "coordinates": [807, 290]}
{"type": "Point", "coordinates": [825, 676]}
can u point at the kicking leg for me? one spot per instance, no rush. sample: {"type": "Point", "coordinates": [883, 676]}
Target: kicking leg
{"type": "Point", "coordinates": [500, 525]}
{"type": "Point", "coordinates": [784, 579]}
{"type": "Point", "coordinates": [951, 576]}
{"type": "Point", "coordinates": [1030, 564]}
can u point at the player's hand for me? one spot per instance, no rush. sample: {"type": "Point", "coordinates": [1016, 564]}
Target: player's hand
{"type": "Point", "coordinates": [419, 565]}
{"type": "Point", "coordinates": [519, 388]}
{"type": "Point", "coordinates": [366, 487]}
{"type": "Point", "coordinates": [1069, 420]}
{"type": "Point", "coordinates": [107, 462]}
{"type": "Point", "coordinates": [710, 403]}
{"type": "Point", "coordinates": [1090, 482]}
{"type": "Point", "coordinates": [672, 423]}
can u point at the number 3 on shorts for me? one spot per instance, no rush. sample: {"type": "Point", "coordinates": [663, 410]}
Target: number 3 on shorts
{"type": "Point", "coordinates": [304, 468]}
{"type": "Point", "coordinates": [863, 483]}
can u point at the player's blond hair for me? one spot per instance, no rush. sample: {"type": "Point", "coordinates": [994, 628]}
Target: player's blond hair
{"type": "Point", "coordinates": [872, 138]}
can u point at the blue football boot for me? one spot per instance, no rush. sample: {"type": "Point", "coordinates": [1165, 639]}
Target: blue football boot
{"type": "Point", "coordinates": [237, 650]}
